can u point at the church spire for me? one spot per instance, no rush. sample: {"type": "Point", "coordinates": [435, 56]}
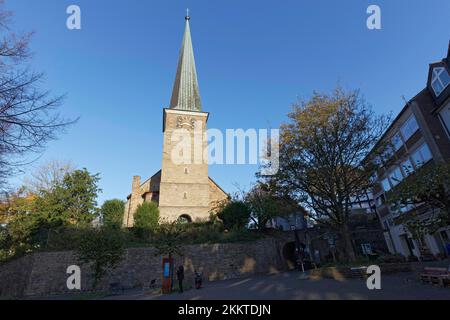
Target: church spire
{"type": "Point", "coordinates": [186, 94]}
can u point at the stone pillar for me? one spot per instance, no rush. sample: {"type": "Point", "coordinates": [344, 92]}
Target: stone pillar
{"type": "Point", "coordinates": [134, 201]}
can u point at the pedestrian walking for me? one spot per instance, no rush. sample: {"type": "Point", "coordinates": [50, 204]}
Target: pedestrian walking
{"type": "Point", "coordinates": [180, 277]}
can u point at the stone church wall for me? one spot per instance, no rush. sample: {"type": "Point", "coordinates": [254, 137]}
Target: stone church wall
{"type": "Point", "coordinates": [44, 273]}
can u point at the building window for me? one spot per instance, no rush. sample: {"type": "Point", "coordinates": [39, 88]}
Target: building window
{"type": "Point", "coordinates": [444, 236]}
{"type": "Point", "coordinates": [388, 153]}
{"type": "Point", "coordinates": [386, 185]}
{"type": "Point", "coordinates": [391, 221]}
{"type": "Point", "coordinates": [422, 155]}
{"type": "Point", "coordinates": [445, 116]}
{"type": "Point", "coordinates": [406, 207]}
{"type": "Point", "coordinates": [380, 200]}
{"type": "Point", "coordinates": [373, 178]}
{"type": "Point", "coordinates": [409, 128]}
{"type": "Point", "coordinates": [395, 210]}
{"type": "Point", "coordinates": [400, 208]}
{"type": "Point", "coordinates": [377, 161]}
{"type": "Point", "coordinates": [396, 176]}
{"type": "Point", "coordinates": [407, 167]}
{"type": "Point", "coordinates": [397, 141]}
{"type": "Point", "coordinates": [440, 80]}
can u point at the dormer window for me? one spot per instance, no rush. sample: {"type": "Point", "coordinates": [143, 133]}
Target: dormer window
{"type": "Point", "coordinates": [440, 80]}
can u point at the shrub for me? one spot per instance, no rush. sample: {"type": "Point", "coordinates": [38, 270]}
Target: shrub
{"type": "Point", "coordinates": [65, 238]}
{"type": "Point", "coordinates": [147, 216]}
{"type": "Point", "coordinates": [102, 248]}
{"type": "Point", "coordinates": [71, 202]}
{"type": "Point", "coordinates": [240, 236]}
{"type": "Point", "coordinates": [391, 258]}
{"type": "Point", "coordinates": [202, 232]}
{"type": "Point", "coordinates": [24, 234]}
{"type": "Point", "coordinates": [169, 239]}
{"type": "Point", "coordinates": [112, 213]}
{"type": "Point", "coordinates": [235, 215]}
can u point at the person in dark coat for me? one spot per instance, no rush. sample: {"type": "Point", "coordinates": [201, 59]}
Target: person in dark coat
{"type": "Point", "coordinates": [180, 277]}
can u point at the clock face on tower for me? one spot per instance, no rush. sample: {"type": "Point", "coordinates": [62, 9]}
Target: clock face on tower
{"type": "Point", "coordinates": [185, 122]}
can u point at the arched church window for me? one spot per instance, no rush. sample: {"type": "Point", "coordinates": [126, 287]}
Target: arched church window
{"type": "Point", "coordinates": [184, 219]}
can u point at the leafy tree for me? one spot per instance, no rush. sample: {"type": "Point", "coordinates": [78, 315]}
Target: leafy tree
{"type": "Point", "coordinates": [102, 248]}
{"type": "Point", "coordinates": [235, 214]}
{"type": "Point", "coordinates": [17, 224]}
{"type": "Point", "coordinates": [146, 216]}
{"type": "Point", "coordinates": [322, 152]}
{"type": "Point", "coordinates": [72, 202]}
{"type": "Point", "coordinates": [19, 236]}
{"type": "Point", "coordinates": [32, 219]}
{"type": "Point", "coordinates": [169, 238]}
{"type": "Point", "coordinates": [112, 212]}
{"type": "Point", "coordinates": [265, 205]}
{"type": "Point", "coordinates": [28, 115]}
{"type": "Point", "coordinates": [430, 185]}
{"type": "Point", "coordinates": [13, 204]}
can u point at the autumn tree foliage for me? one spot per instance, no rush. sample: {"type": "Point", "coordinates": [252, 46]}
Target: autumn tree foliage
{"type": "Point", "coordinates": [323, 150]}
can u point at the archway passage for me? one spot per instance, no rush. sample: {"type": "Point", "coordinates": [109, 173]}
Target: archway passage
{"type": "Point", "coordinates": [184, 218]}
{"type": "Point", "coordinates": [289, 254]}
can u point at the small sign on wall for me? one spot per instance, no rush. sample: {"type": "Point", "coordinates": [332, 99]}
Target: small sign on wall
{"type": "Point", "coordinates": [366, 248]}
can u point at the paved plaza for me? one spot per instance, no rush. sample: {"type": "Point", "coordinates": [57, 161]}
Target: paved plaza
{"type": "Point", "coordinates": [292, 286]}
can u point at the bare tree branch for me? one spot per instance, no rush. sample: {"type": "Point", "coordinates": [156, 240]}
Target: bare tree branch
{"type": "Point", "coordinates": [28, 115]}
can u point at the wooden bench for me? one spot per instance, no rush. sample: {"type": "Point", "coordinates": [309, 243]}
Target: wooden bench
{"type": "Point", "coordinates": [440, 276]}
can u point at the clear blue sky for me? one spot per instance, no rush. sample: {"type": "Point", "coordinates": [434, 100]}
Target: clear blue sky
{"type": "Point", "coordinates": [254, 58]}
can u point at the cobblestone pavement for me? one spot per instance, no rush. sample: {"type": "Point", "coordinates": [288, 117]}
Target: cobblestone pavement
{"type": "Point", "coordinates": [292, 286]}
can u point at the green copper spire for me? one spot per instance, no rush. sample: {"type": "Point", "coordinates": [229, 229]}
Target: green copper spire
{"type": "Point", "coordinates": [186, 95]}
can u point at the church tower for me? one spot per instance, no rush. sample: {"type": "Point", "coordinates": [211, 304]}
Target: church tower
{"type": "Point", "coordinates": [182, 188]}
{"type": "Point", "coordinates": [185, 186]}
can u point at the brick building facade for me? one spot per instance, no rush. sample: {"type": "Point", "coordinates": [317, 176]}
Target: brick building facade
{"type": "Point", "coordinates": [419, 136]}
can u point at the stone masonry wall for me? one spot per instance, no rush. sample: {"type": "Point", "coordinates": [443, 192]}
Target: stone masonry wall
{"type": "Point", "coordinates": [42, 274]}
{"type": "Point", "coordinates": [14, 276]}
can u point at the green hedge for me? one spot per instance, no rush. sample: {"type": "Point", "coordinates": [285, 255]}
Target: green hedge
{"type": "Point", "coordinates": [70, 238]}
